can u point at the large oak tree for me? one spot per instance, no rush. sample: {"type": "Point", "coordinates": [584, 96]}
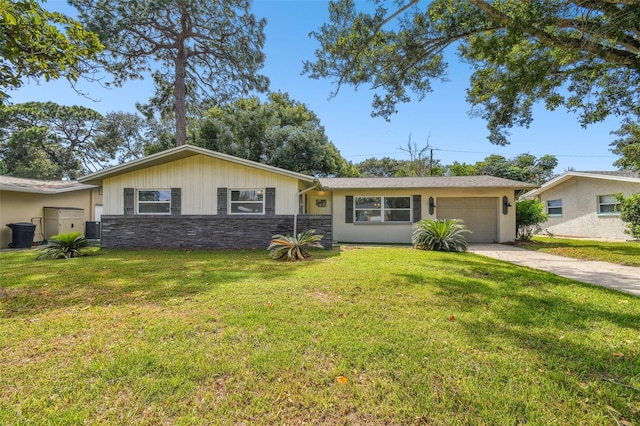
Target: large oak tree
{"type": "Point", "coordinates": [44, 140]}
{"type": "Point", "coordinates": [280, 132]}
{"type": "Point", "coordinates": [583, 55]}
{"type": "Point", "coordinates": [194, 48]}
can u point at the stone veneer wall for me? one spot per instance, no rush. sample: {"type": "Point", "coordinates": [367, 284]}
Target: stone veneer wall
{"type": "Point", "coordinates": [206, 232]}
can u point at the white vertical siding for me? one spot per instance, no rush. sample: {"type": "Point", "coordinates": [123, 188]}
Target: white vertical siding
{"type": "Point", "coordinates": [199, 177]}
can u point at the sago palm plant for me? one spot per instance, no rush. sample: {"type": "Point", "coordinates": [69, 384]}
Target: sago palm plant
{"type": "Point", "coordinates": [440, 235]}
{"type": "Point", "coordinates": [64, 246]}
{"type": "Point", "coordinates": [291, 248]}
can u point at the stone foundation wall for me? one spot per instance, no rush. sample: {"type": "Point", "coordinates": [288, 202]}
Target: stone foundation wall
{"type": "Point", "coordinates": [206, 232]}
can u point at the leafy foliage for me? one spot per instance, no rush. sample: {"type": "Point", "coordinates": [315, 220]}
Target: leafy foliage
{"type": "Point", "coordinates": [580, 55]}
{"type": "Point", "coordinates": [286, 247]}
{"type": "Point", "coordinates": [440, 235]}
{"type": "Point", "coordinates": [280, 132]}
{"type": "Point", "coordinates": [630, 213]}
{"type": "Point", "coordinates": [380, 167]}
{"type": "Point", "coordinates": [523, 167]}
{"type": "Point", "coordinates": [50, 141]}
{"type": "Point", "coordinates": [64, 246]}
{"type": "Point", "coordinates": [529, 216]}
{"type": "Point", "coordinates": [200, 48]}
{"type": "Point", "coordinates": [627, 146]}
{"type": "Point", "coordinates": [36, 43]}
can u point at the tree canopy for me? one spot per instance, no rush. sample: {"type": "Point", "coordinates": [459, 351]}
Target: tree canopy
{"type": "Point", "coordinates": [523, 167]}
{"type": "Point", "coordinates": [36, 43]}
{"type": "Point", "coordinates": [627, 146]}
{"type": "Point", "coordinates": [580, 55]}
{"type": "Point", "coordinates": [280, 132]}
{"type": "Point", "coordinates": [193, 48]}
{"type": "Point", "coordinates": [44, 140]}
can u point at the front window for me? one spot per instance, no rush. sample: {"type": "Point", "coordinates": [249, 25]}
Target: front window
{"type": "Point", "coordinates": [607, 204]}
{"type": "Point", "coordinates": [154, 201]}
{"type": "Point", "coordinates": [383, 209]}
{"type": "Point", "coordinates": [247, 201]}
{"type": "Point", "coordinates": [554, 207]}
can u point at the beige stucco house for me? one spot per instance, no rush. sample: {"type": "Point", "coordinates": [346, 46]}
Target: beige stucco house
{"type": "Point", "coordinates": [385, 209]}
{"type": "Point", "coordinates": [192, 197]}
{"type": "Point", "coordinates": [581, 204]}
{"type": "Point", "coordinates": [53, 206]}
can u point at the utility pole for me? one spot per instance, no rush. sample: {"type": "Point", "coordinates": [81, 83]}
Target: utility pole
{"type": "Point", "coordinates": [431, 163]}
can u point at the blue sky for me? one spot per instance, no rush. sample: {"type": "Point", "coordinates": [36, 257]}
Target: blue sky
{"type": "Point", "coordinates": [442, 116]}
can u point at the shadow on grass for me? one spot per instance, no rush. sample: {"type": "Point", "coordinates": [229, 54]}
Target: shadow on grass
{"type": "Point", "coordinates": [630, 250]}
{"type": "Point", "coordinates": [568, 325]}
{"type": "Point", "coordinates": [115, 277]}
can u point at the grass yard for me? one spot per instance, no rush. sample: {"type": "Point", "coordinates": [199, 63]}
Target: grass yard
{"type": "Point", "coordinates": [623, 253]}
{"type": "Point", "coordinates": [361, 336]}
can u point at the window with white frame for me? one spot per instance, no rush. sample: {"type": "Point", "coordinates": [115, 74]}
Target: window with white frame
{"type": "Point", "coordinates": [246, 201]}
{"type": "Point", "coordinates": [154, 201]}
{"type": "Point", "coordinates": [607, 204]}
{"type": "Point", "coordinates": [554, 207]}
{"type": "Point", "coordinates": [382, 209]}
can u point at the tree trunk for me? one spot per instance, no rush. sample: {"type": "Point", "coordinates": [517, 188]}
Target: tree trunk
{"type": "Point", "coordinates": [180, 93]}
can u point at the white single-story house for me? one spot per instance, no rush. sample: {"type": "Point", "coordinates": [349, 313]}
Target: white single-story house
{"type": "Point", "coordinates": [581, 204]}
{"type": "Point", "coordinates": [53, 206]}
{"type": "Point", "coordinates": [191, 197]}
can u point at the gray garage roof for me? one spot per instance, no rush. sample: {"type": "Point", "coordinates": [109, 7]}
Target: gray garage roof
{"type": "Point", "coordinates": [618, 173]}
{"type": "Point", "coordinates": [10, 183]}
{"type": "Point", "coordinates": [613, 176]}
{"type": "Point", "coordinates": [423, 182]}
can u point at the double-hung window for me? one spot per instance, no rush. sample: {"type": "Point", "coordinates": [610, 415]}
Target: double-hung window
{"type": "Point", "coordinates": [607, 204]}
{"type": "Point", "coordinates": [382, 209]}
{"type": "Point", "coordinates": [554, 207]}
{"type": "Point", "coordinates": [154, 201]}
{"type": "Point", "coordinates": [246, 201]}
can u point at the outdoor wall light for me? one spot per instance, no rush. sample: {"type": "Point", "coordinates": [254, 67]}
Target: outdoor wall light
{"type": "Point", "coordinates": [505, 205]}
{"type": "Point", "coordinates": [432, 205]}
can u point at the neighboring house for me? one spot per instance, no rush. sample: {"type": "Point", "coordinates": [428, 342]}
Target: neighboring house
{"type": "Point", "coordinates": [581, 204]}
{"type": "Point", "coordinates": [190, 197]}
{"type": "Point", "coordinates": [67, 205]}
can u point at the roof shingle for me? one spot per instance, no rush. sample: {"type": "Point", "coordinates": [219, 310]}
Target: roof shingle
{"type": "Point", "coordinates": [423, 182]}
{"type": "Point", "coordinates": [10, 183]}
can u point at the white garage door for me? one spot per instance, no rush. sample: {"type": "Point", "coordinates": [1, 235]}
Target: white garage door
{"type": "Point", "coordinates": [480, 215]}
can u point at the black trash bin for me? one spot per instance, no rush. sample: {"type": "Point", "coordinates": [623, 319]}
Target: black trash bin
{"type": "Point", "coordinates": [92, 231]}
{"type": "Point", "coordinates": [22, 234]}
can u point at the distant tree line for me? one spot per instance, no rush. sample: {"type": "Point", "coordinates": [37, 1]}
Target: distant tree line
{"type": "Point", "coordinates": [45, 140]}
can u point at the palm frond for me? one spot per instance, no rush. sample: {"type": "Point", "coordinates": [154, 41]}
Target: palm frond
{"type": "Point", "coordinates": [293, 248]}
{"type": "Point", "coordinates": [440, 235]}
{"type": "Point", "coordinates": [64, 246]}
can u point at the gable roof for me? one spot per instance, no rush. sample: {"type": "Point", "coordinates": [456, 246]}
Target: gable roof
{"type": "Point", "coordinates": [618, 176]}
{"type": "Point", "coordinates": [482, 181]}
{"type": "Point", "coordinates": [179, 153]}
{"type": "Point", "coordinates": [10, 183]}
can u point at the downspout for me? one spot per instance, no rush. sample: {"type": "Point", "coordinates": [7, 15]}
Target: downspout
{"type": "Point", "coordinates": [295, 213]}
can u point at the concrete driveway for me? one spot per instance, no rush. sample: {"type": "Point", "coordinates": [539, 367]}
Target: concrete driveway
{"type": "Point", "coordinates": [618, 277]}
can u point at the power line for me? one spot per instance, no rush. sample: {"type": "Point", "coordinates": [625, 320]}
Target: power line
{"type": "Point", "coordinates": [485, 153]}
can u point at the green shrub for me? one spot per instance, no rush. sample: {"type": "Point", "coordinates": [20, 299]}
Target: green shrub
{"type": "Point", "coordinates": [630, 213]}
{"type": "Point", "coordinates": [64, 246]}
{"type": "Point", "coordinates": [529, 216]}
{"type": "Point", "coordinates": [440, 235]}
{"type": "Point", "coordinates": [291, 248]}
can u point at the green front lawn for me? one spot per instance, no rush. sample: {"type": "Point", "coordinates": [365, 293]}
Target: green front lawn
{"type": "Point", "coordinates": [361, 336]}
{"type": "Point", "coordinates": [623, 253]}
